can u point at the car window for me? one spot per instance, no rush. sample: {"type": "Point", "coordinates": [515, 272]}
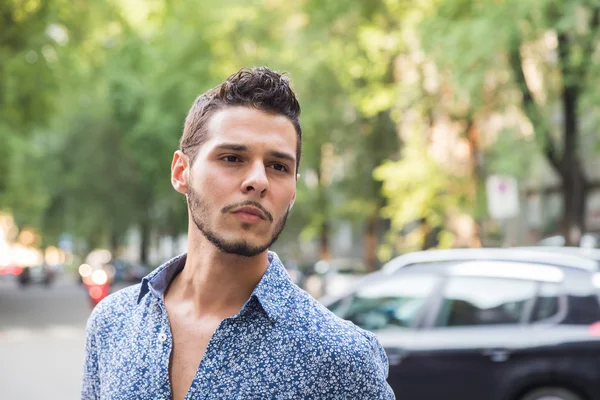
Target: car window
{"type": "Point", "coordinates": [393, 303]}
{"type": "Point", "coordinates": [582, 310]}
{"type": "Point", "coordinates": [474, 301]}
{"type": "Point", "coordinates": [338, 306]}
{"type": "Point", "coordinates": [547, 303]}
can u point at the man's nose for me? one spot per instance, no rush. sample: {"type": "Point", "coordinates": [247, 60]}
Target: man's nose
{"type": "Point", "coordinates": [256, 180]}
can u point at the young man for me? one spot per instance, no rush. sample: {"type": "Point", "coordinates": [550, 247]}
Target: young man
{"type": "Point", "coordinates": [224, 320]}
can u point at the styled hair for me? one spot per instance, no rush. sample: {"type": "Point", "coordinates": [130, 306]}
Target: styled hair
{"type": "Point", "coordinates": [259, 88]}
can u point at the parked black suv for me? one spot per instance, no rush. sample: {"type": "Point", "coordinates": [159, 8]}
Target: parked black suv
{"type": "Point", "coordinates": [470, 325]}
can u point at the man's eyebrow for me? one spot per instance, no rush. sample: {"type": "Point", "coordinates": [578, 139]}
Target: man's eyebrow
{"type": "Point", "coordinates": [231, 146]}
{"type": "Point", "coordinates": [283, 156]}
{"type": "Point", "coordinates": [243, 148]}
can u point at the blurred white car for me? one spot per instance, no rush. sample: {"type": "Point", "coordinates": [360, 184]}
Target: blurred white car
{"type": "Point", "coordinates": [588, 240]}
{"type": "Point", "coordinates": [338, 275]}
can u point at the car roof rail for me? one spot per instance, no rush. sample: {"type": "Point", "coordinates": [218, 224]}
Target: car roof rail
{"type": "Point", "coordinates": [588, 252]}
{"type": "Point", "coordinates": [508, 270]}
{"type": "Point", "coordinates": [498, 254]}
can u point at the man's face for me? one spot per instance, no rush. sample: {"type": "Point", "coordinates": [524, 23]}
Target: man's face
{"type": "Point", "coordinates": [243, 180]}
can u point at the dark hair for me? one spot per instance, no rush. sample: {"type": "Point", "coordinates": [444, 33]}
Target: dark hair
{"type": "Point", "coordinates": [257, 87]}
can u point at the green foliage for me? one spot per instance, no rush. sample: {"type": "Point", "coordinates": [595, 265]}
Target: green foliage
{"type": "Point", "coordinates": [418, 188]}
{"type": "Point", "coordinates": [511, 155]}
{"type": "Point", "coordinates": [93, 97]}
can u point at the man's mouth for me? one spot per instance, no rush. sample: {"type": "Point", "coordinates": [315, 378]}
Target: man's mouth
{"type": "Point", "coordinates": [250, 214]}
{"type": "Point", "coordinates": [249, 211]}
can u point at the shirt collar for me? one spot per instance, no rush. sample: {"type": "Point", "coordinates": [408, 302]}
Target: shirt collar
{"type": "Point", "coordinates": [158, 280]}
{"type": "Point", "coordinates": [272, 292]}
{"type": "Point", "coordinates": [274, 289]}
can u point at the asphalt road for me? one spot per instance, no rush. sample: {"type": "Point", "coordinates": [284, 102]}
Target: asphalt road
{"type": "Point", "coordinates": [42, 334]}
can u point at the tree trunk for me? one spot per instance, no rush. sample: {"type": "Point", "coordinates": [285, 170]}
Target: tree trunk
{"type": "Point", "coordinates": [430, 238]}
{"type": "Point", "coordinates": [114, 243]}
{"type": "Point", "coordinates": [371, 232]}
{"type": "Point", "coordinates": [477, 173]}
{"type": "Point", "coordinates": [574, 205]}
{"type": "Point", "coordinates": [325, 252]}
{"type": "Point", "coordinates": [145, 242]}
{"type": "Point", "coordinates": [572, 174]}
{"type": "Point", "coordinates": [324, 174]}
{"type": "Point", "coordinates": [568, 165]}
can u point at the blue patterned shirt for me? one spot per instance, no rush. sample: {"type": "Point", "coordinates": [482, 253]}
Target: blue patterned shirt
{"type": "Point", "coordinates": [282, 344]}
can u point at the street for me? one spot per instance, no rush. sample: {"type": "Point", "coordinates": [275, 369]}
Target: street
{"type": "Point", "coordinates": [42, 340]}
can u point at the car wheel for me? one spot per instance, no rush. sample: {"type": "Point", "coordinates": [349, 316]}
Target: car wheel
{"type": "Point", "coordinates": [551, 393]}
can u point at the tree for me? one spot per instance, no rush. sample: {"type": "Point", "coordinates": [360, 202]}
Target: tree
{"type": "Point", "coordinates": [549, 50]}
{"type": "Point", "coordinates": [361, 46]}
{"type": "Point", "coordinates": [40, 48]}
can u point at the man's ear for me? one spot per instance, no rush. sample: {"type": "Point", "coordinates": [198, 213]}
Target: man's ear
{"type": "Point", "coordinates": [180, 172]}
{"type": "Point", "coordinates": [294, 198]}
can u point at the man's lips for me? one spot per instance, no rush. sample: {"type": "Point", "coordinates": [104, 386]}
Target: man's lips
{"type": "Point", "coordinates": [251, 211]}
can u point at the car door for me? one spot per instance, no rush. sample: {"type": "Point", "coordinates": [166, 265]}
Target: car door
{"type": "Point", "coordinates": [472, 330]}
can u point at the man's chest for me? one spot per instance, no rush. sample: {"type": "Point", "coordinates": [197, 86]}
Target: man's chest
{"type": "Point", "coordinates": [241, 360]}
{"type": "Point", "coordinates": [189, 342]}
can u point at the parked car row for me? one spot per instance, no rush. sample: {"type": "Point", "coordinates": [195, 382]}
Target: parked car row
{"type": "Point", "coordinates": [102, 272]}
{"type": "Point", "coordinates": [494, 324]}
{"type": "Point", "coordinates": [27, 275]}
{"type": "Point", "coordinates": [126, 271]}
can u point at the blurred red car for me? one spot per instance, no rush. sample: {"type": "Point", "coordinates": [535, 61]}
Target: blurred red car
{"type": "Point", "coordinates": [97, 281]}
{"type": "Point", "coordinates": [14, 270]}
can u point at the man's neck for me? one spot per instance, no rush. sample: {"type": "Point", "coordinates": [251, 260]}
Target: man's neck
{"type": "Point", "coordinates": [215, 283]}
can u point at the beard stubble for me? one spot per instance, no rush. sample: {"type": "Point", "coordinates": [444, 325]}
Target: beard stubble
{"type": "Point", "coordinates": [198, 209]}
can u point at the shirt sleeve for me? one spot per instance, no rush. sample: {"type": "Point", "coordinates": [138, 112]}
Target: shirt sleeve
{"type": "Point", "coordinates": [367, 375]}
{"type": "Point", "coordinates": [90, 387]}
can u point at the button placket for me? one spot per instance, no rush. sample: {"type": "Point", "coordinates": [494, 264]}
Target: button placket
{"type": "Point", "coordinates": [215, 355]}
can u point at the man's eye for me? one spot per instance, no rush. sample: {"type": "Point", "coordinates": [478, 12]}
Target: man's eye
{"type": "Point", "coordinates": [280, 167]}
{"type": "Point", "coordinates": [231, 159]}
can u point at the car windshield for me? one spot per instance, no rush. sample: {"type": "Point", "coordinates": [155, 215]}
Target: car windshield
{"type": "Point", "coordinates": [388, 304]}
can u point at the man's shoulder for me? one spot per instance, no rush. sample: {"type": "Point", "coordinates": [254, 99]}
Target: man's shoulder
{"type": "Point", "coordinates": [122, 299]}
{"type": "Point", "coordinates": [318, 323]}
{"type": "Point", "coordinates": [115, 308]}
{"type": "Point", "coordinates": [348, 355]}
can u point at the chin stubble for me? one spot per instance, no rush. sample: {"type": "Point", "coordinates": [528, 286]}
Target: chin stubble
{"type": "Point", "coordinates": [198, 208]}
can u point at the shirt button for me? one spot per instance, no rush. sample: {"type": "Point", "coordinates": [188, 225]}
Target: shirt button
{"type": "Point", "coordinates": [162, 337]}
